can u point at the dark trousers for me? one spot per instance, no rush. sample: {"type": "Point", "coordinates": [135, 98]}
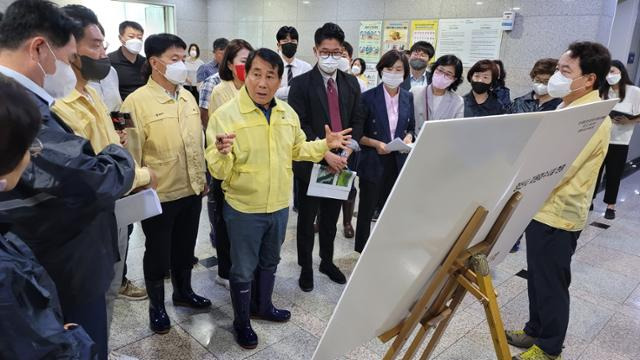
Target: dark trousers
{"type": "Point", "coordinates": [373, 194]}
{"type": "Point", "coordinates": [612, 167]}
{"type": "Point", "coordinates": [211, 209]}
{"type": "Point", "coordinates": [296, 191]}
{"type": "Point", "coordinates": [328, 212]}
{"type": "Point", "coordinates": [256, 240]}
{"type": "Point", "coordinates": [549, 252]}
{"type": "Point", "coordinates": [223, 247]}
{"type": "Point", "coordinates": [171, 237]}
{"type": "Point", "coordinates": [126, 254]}
{"type": "Point", "coordinates": [92, 316]}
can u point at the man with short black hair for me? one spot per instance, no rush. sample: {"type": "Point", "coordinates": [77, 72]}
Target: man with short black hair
{"type": "Point", "coordinates": [252, 141]}
{"type": "Point", "coordinates": [419, 56]}
{"type": "Point", "coordinates": [209, 69]}
{"type": "Point", "coordinates": [86, 113]}
{"type": "Point", "coordinates": [553, 233]}
{"type": "Point", "coordinates": [127, 59]}
{"type": "Point", "coordinates": [287, 38]}
{"type": "Point", "coordinates": [67, 190]}
{"type": "Point", "coordinates": [323, 97]}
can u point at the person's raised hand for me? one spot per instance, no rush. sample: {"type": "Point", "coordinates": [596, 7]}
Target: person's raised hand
{"type": "Point", "coordinates": [224, 143]}
{"type": "Point", "coordinates": [337, 140]}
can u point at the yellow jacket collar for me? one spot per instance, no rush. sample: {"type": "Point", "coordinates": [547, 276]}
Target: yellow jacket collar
{"type": "Point", "coordinates": [160, 93]}
{"type": "Point", "coordinates": [73, 96]}
{"type": "Point", "coordinates": [591, 97]}
{"type": "Point", "coordinates": [247, 105]}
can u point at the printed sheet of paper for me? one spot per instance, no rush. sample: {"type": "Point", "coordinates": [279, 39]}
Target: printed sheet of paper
{"type": "Point", "coordinates": [136, 207]}
{"type": "Point", "coordinates": [470, 39]}
{"type": "Point", "coordinates": [398, 145]}
{"type": "Point", "coordinates": [324, 183]}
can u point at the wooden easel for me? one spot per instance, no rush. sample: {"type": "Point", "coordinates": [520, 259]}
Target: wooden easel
{"type": "Point", "coordinates": [463, 270]}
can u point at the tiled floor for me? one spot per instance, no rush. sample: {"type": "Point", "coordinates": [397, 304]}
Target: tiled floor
{"type": "Point", "coordinates": [605, 303]}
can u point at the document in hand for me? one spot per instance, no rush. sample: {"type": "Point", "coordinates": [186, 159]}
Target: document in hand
{"type": "Point", "coordinates": [625, 109]}
{"type": "Point", "coordinates": [137, 207]}
{"type": "Point", "coordinates": [325, 184]}
{"type": "Point", "coordinates": [398, 145]}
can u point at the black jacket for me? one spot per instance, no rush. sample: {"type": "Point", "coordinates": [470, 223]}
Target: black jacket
{"type": "Point", "coordinates": [490, 107]}
{"type": "Point", "coordinates": [376, 126]}
{"type": "Point", "coordinates": [63, 208]}
{"type": "Point", "coordinates": [527, 103]}
{"type": "Point", "coordinates": [308, 97]}
{"type": "Point", "coordinates": [32, 323]}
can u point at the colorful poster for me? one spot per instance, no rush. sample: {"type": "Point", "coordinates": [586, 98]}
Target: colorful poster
{"type": "Point", "coordinates": [396, 35]}
{"type": "Point", "coordinates": [424, 30]}
{"type": "Point", "coordinates": [369, 40]}
{"type": "Point", "coordinates": [470, 39]}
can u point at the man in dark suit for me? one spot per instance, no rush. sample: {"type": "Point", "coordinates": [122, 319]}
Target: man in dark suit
{"type": "Point", "coordinates": [323, 96]}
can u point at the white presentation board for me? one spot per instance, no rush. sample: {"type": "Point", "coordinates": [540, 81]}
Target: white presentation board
{"type": "Point", "coordinates": [456, 166]}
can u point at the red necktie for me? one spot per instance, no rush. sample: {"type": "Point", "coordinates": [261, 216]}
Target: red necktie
{"type": "Point", "coordinates": [334, 106]}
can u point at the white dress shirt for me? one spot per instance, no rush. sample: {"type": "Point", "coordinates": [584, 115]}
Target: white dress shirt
{"type": "Point", "coordinates": [109, 90]}
{"type": "Point", "coordinates": [27, 83]}
{"type": "Point", "coordinates": [621, 133]}
{"type": "Point", "coordinates": [298, 67]}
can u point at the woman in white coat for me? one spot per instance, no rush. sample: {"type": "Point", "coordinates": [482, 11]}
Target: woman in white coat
{"type": "Point", "coordinates": [439, 101]}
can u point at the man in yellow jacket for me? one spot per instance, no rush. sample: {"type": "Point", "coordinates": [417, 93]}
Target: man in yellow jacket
{"type": "Point", "coordinates": [252, 141]}
{"type": "Point", "coordinates": [85, 112]}
{"type": "Point", "coordinates": [553, 233]}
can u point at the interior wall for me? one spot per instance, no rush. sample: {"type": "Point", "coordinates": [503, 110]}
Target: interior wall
{"type": "Point", "coordinates": [543, 28]}
{"type": "Point", "coordinates": [190, 16]}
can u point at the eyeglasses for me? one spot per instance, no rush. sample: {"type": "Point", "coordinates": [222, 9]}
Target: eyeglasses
{"type": "Point", "coordinates": [336, 55]}
{"type": "Point", "coordinates": [36, 147]}
{"type": "Point", "coordinates": [445, 74]}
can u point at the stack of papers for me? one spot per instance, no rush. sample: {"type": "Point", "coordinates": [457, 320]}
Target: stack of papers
{"type": "Point", "coordinates": [139, 206]}
{"type": "Point", "coordinates": [398, 145]}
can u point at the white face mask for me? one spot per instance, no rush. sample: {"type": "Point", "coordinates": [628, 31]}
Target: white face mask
{"type": "Point", "coordinates": [62, 82]}
{"type": "Point", "coordinates": [392, 80]}
{"type": "Point", "coordinates": [355, 70]}
{"type": "Point", "coordinates": [3, 184]}
{"type": "Point", "coordinates": [328, 65]}
{"type": "Point", "coordinates": [613, 79]}
{"type": "Point", "coordinates": [176, 73]}
{"type": "Point", "coordinates": [540, 89]}
{"type": "Point", "coordinates": [134, 45]}
{"type": "Point", "coordinates": [559, 85]}
{"type": "Point", "coordinates": [193, 53]}
{"type": "Point", "coordinates": [343, 65]}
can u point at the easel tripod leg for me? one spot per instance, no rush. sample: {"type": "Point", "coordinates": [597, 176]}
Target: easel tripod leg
{"type": "Point", "coordinates": [492, 311]}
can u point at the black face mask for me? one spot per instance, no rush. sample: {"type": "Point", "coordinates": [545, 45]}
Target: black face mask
{"type": "Point", "coordinates": [480, 87]}
{"type": "Point", "coordinates": [94, 70]}
{"type": "Point", "coordinates": [289, 49]}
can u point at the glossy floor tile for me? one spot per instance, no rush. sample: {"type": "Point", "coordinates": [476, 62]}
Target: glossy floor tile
{"type": "Point", "coordinates": [605, 302]}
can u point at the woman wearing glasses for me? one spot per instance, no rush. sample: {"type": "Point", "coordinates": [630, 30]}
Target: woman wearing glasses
{"type": "Point", "coordinates": [439, 101]}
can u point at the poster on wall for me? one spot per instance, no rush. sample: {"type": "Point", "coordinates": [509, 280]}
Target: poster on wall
{"type": "Point", "coordinates": [369, 40]}
{"type": "Point", "coordinates": [470, 39]}
{"type": "Point", "coordinates": [371, 74]}
{"type": "Point", "coordinates": [396, 35]}
{"type": "Point", "coordinates": [424, 30]}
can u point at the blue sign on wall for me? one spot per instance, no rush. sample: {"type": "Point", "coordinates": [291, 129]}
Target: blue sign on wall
{"type": "Point", "coordinates": [632, 58]}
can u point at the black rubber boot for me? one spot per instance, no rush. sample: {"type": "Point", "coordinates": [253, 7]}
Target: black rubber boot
{"type": "Point", "coordinates": [265, 309]}
{"type": "Point", "coordinates": [241, 301]}
{"type": "Point", "coordinates": [183, 294]}
{"type": "Point", "coordinates": [159, 321]}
